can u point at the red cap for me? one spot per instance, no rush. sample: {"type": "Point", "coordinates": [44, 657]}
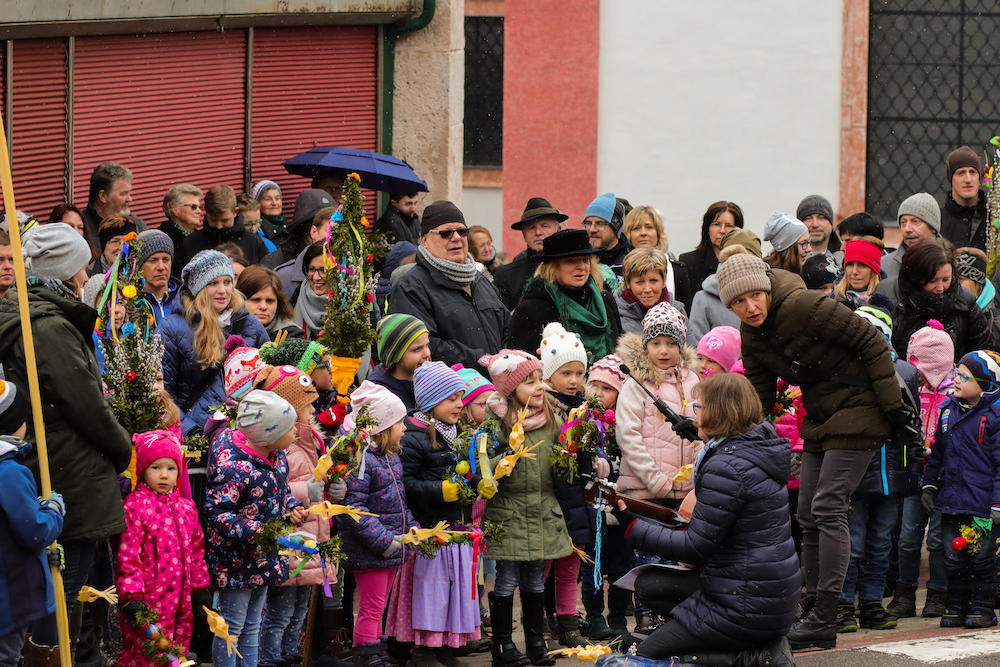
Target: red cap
{"type": "Point", "coordinates": [862, 251]}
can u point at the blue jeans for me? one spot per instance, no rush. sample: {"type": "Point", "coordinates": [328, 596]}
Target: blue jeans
{"type": "Point", "coordinates": [10, 647]}
{"type": "Point", "coordinates": [911, 537]}
{"type": "Point", "coordinates": [241, 608]}
{"type": "Point", "coordinates": [527, 575]}
{"type": "Point", "coordinates": [79, 558]}
{"type": "Point", "coordinates": [287, 607]}
{"type": "Point", "coordinates": [969, 573]}
{"type": "Point", "coordinates": [871, 520]}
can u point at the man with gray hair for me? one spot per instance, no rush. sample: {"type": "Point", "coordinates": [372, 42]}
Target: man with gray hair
{"type": "Point", "coordinates": [182, 206]}
{"type": "Point", "coordinates": [110, 193]}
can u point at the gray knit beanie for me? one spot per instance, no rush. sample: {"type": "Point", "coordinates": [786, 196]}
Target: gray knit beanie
{"type": "Point", "coordinates": [783, 231]}
{"type": "Point", "coordinates": [154, 241]}
{"type": "Point", "coordinates": [815, 204]}
{"type": "Point", "coordinates": [56, 251]}
{"type": "Point", "coordinates": [741, 272]}
{"type": "Point", "coordinates": [922, 205]}
{"type": "Point", "coordinates": [205, 267]}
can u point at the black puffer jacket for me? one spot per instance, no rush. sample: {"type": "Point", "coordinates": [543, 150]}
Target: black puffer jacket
{"type": "Point", "coordinates": [806, 337]}
{"type": "Point", "coordinates": [956, 309]}
{"type": "Point", "coordinates": [741, 538]}
{"type": "Point", "coordinates": [580, 516]}
{"type": "Point", "coordinates": [964, 225]}
{"type": "Point", "coordinates": [400, 226]}
{"type": "Point", "coordinates": [462, 328]}
{"type": "Point", "coordinates": [510, 279]}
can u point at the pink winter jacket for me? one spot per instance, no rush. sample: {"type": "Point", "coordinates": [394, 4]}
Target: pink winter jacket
{"type": "Point", "coordinates": [161, 561]}
{"type": "Point", "coordinates": [930, 406]}
{"type": "Point", "coordinates": [302, 456]}
{"type": "Point", "coordinates": [789, 425]}
{"type": "Point", "coordinates": [652, 453]}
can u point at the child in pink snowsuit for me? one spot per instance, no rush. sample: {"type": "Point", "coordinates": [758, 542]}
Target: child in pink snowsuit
{"type": "Point", "coordinates": [161, 558]}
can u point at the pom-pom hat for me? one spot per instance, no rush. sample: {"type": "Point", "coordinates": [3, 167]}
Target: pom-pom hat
{"type": "Point", "coordinates": [303, 354]}
{"type": "Point", "coordinates": [740, 272]}
{"type": "Point", "coordinates": [932, 351]}
{"type": "Point", "coordinates": [608, 371]}
{"type": "Point", "coordinates": [383, 406]}
{"type": "Point", "coordinates": [264, 417]}
{"type": "Point", "coordinates": [509, 368]}
{"type": "Point", "coordinates": [241, 367]}
{"type": "Point", "coordinates": [664, 320]}
{"type": "Point", "coordinates": [433, 382]}
{"type": "Point", "coordinates": [559, 347]}
{"type": "Point", "coordinates": [290, 383]}
{"type": "Point", "coordinates": [721, 345]}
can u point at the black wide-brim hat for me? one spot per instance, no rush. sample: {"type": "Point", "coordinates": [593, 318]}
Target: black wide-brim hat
{"type": "Point", "coordinates": [566, 243]}
{"type": "Point", "coordinates": [539, 208]}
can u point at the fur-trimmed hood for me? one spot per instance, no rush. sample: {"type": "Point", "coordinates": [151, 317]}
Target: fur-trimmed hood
{"type": "Point", "coordinates": [633, 353]}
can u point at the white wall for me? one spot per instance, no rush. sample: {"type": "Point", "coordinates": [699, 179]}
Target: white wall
{"type": "Point", "coordinates": [484, 206]}
{"type": "Point", "coordinates": [719, 99]}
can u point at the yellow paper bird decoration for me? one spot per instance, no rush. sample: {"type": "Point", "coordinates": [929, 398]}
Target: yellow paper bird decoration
{"type": "Point", "coordinates": [507, 463]}
{"type": "Point", "coordinates": [328, 510]}
{"type": "Point", "coordinates": [417, 535]}
{"type": "Point", "coordinates": [88, 594]}
{"type": "Point", "coordinates": [220, 629]}
{"type": "Point", "coordinates": [684, 474]}
{"type": "Point", "coordinates": [322, 467]}
{"type": "Point", "coordinates": [582, 554]}
{"type": "Point", "coordinates": [589, 652]}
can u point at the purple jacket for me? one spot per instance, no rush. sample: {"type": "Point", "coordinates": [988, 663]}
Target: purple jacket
{"type": "Point", "coordinates": [381, 492]}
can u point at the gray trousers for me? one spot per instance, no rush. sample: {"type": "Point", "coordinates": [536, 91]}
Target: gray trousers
{"type": "Point", "coordinates": [825, 486]}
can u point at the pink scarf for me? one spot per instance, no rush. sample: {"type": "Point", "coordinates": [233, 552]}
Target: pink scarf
{"type": "Point", "coordinates": [535, 418]}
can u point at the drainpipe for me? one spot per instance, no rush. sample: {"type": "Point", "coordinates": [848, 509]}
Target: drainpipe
{"type": "Point", "coordinates": [391, 32]}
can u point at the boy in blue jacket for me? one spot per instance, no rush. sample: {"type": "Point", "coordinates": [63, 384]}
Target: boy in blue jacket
{"type": "Point", "coordinates": [28, 525]}
{"type": "Point", "coordinates": [962, 480]}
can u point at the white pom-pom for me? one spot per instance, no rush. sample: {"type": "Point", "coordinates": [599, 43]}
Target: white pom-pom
{"type": "Point", "coordinates": [553, 329]}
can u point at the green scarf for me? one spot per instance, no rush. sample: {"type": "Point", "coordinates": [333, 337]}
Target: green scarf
{"type": "Point", "coordinates": [589, 319]}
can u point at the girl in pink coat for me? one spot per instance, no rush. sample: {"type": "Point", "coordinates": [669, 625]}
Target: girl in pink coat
{"type": "Point", "coordinates": [161, 558]}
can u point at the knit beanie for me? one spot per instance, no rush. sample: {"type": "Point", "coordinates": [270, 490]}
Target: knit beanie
{"type": "Point", "coordinates": [783, 231]}
{"type": "Point", "coordinates": [509, 368]}
{"type": "Point", "coordinates": [559, 347]}
{"type": "Point", "coordinates": [205, 267]}
{"type": "Point", "coordinates": [93, 289]}
{"type": "Point", "coordinates": [603, 207]}
{"type": "Point", "coordinates": [153, 445]}
{"type": "Point", "coordinates": [264, 417]}
{"type": "Point", "coordinates": [740, 272]}
{"type": "Point", "coordinates": [878, 317]}
{"type": "Point", "coordinates": [383, 406]}
{"type": "Point", "coordinates": [15, 408]}
{"type": "Point", "coordinates": [962, 157]}
{"type": "Point", "coordinates": [743, 237]}
{"type": "Point", "coordinates": [396, 334]}
{"type": "Point", "coordinates": [971, 267]}
{"type": "Point", "coordinates": [924, 206]}
{"type": "Point", "coordinates": [433, 382]}
{"type": "Point", "coordinates": [869, 254]}
{"type": "Point", "coordinates": [475, 383]}
{"type": "Point", "coordinates": [985, 367]}
{"type": "Point", "coordinates": [299, 352]}
{"type": "Point", "coordinates": [932, 351]}
{"type": "Point", "coordinates": [154, 241]}
{"type": "Point", "coordinates": [815, 204]}
{"type": "Point", "coordinates": [818, 271]}
{"type": "Point", "coordinates": [56, 251]}
{"type": "Point", "coordinates": [242, 364]}
{"type": "Point", "coordinates": [664, 320]}
{"type": "Point", "coordinates": [608, 371]}
{"type": "Point", "coordinates": [440, 213]}
{"type": "Point", "coordinates": [261, 187]}
{"type": "Point", "coordinates": [288, 382]}
{"type": "Point", "coordinates": [721, 345]}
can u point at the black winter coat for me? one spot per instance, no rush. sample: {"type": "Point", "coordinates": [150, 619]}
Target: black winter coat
{"type": "Point", "coordinates": [964, 225]}
{"type": "Point", "coordinates": [177, 235]}
{"type": "Point", "coordinates": [424, 470]}
{"type": "Point", "coordinates": [462, 328]}
{"type": "Point", "coordinates": [580, 516]}
{"type": "Point", "coordinates": [207, 238]}
{"type": "Point", "coordinates": [740, 537]}
{"type": "Point", "coordinates": [511, 279]}
{"type": "Point", "coordinates": [956, 309]}
{"type": "Point", "coordinates": [87, 447]}
{"type": "Point", "coordinates": [699, 266]}
{"type": "Point", "coordinates": [682, 285]}
{"type": "Point", "coordinates": [614, 257]}
{"type": "Point", "coordinates": [399, 226]}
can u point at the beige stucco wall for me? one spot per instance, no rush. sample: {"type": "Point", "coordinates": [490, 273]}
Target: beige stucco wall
{"type": "Point", "coordinates": [429, 100]}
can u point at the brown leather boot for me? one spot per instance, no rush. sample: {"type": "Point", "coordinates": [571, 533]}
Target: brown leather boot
{"type": "Point", "coordinates": [39, 656]}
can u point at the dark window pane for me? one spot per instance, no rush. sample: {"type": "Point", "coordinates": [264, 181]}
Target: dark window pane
{"type": "Point", "coordinates": [483, 91]}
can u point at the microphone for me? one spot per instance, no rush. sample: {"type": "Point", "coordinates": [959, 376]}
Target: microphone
{"type": "Point", "coordinates": [688, 432]}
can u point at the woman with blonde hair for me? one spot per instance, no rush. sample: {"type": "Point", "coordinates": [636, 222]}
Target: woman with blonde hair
{"type": "Point", "coordinates": [862, 269]}
{"type": "Point", "coordinates": [643, 227]}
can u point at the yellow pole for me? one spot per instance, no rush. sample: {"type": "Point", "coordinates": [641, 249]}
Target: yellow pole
{"type": "Point", "coordinates": [7, 183]}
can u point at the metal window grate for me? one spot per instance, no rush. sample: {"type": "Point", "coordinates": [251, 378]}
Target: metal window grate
{"type": "Point", "coordinates": [483, 91]}
{"type": "Point", "coordinates": [933, 85]}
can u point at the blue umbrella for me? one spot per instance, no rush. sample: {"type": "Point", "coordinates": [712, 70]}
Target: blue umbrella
{"type": "Point", "coordinates": [377, 171]}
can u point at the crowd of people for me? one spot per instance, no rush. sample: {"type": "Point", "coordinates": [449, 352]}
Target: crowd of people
{"type": "Point", "coordinates": [789, 413]}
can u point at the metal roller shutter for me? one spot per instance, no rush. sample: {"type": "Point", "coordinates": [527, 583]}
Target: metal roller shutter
{"type": "Point", "coordinates": [170, 107]}
{"type": "Point", "coordinates": [312, 87]}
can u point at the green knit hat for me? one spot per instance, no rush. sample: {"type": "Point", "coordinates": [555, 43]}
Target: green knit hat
{"type": "Point", "coordinates": [303, 354]}
{"type": "Point", "coordinates": [396, 333]}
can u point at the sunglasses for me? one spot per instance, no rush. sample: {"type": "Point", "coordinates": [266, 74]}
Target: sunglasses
{"type": "Point", "coordinates": [446, 234]}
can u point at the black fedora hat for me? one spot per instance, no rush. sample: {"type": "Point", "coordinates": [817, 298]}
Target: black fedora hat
{"type": "Point", "coordinates": [539, 208]}
{"type": "Point", "coordinates": [566, 243]}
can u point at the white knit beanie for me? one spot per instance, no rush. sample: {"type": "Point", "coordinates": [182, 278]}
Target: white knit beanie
{"type": "Point", "coordinates": [559, 347]}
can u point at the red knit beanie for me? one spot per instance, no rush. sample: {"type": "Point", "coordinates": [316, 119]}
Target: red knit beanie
{"type": "Point", "coordinates": [862, 251]}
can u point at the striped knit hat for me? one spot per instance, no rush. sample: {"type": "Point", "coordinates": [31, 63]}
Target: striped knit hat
{"type": "Point", "coordinates": [15, 409]}
{"type": "Point", "coordinates": [260, 187]}
{"type": "Point", "coordinates": [433, 382]}
{"type": "Point", "coordinates": [475, 383]}
{"type": "Point", "coordinates": [396, 333]}
{"type": "Point", "coordinates": [242, 364]}
{"type": "Point", "coordinates": [607, 370]}
{"type": "Point", "coordinates": [985, 367]}
{"type": "Point", "coordinates": [298, 352]}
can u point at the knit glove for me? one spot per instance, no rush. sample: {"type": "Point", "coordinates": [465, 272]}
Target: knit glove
{"type": "Point", "coordinates": [485, 489]}
{"type": "Point", "coordinates": [927, 499]}
{"type": "Point", "coordinates": [449, 490]}
{"type": "Point", "coordinates": [686, 429]}
{"type": "Point", "coordinates": [394, 546]}
{"type": "Point", "coordinates": [336, 491]}
{"type": "Point", "coordinates": [57, 557]}
{"type": "Point", "coordinates": [625, 517]}
{"type": "Point", "coordinates": [131, 609]}
{"type": "Point", "coordinates": [315, 491]}
{"type": "Point", "coordinates": [54, 502]}
{"type": "Point", "coordinates": [333, 417]}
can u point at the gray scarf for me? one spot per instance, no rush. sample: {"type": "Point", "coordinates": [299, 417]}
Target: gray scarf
{"type": "Point", "coordinates": [310, 310]}
{"type": "Point", "coordinates": [279, 323]}
{"type": "Point", "coordinates": [463, 274]}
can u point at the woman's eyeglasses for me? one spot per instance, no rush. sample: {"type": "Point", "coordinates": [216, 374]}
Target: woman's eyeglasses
{"type": "Point", "coordinates": [315, 271]}
{"type": "Point", "coordinates": [446, 234]}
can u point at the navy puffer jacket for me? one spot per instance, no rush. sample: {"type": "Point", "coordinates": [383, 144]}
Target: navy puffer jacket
{"type": "Point", "coordinates": [182, 373]}
{"type": "Point", "coordinates": [580, 516]}
{"type": "Point", "coordinates": [741, 538]}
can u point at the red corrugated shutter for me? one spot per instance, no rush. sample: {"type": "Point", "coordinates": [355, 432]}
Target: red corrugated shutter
{"type": "Point", "coordinates": [170, 107]}
{"type": "Point", "coordinates": [312, 87]}
{"type": "Point", "coordinates": [39, 124]}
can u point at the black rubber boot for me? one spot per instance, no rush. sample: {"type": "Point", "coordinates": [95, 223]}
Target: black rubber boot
{"type": "Point", "coordinates": [904, 601]}
{"type": "Point", "coordinates": [818, 627]}
{"type": "Point", "coordinates": [533, 614]}
{"type": "Point", "coordinates": [935, 605]}
{"type": "Point", "coordinates": [505, 653]}
{"type": "Point", "coordinates": [776, 653]}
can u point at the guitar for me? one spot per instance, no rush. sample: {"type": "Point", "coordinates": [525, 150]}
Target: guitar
{"type": "Point", "coordinates": [603, 494]}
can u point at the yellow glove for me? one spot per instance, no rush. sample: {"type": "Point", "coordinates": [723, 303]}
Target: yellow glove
{"type": "Point", "coordinates": [450, 491]}
{"type": "Point", "coordinates": [485, 489]}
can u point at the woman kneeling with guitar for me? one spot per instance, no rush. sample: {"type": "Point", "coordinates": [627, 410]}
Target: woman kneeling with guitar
{"type": "Point", "coordinates": [744, 596]}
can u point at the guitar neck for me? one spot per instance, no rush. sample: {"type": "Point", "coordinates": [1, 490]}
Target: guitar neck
{"type": "Point", "coordinates": [659, 513]}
